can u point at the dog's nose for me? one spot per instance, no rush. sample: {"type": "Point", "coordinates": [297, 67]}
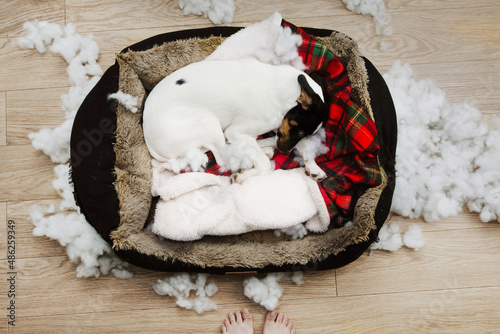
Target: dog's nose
{"type": "Point", "coordinates": [285, 152]}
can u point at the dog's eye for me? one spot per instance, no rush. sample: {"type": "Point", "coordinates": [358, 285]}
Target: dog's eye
{"type": "Point", "coordinates": [301, 133]}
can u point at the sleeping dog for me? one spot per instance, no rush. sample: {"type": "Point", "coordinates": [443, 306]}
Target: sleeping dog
{"type": "Point", "coordinates": [203, 104]}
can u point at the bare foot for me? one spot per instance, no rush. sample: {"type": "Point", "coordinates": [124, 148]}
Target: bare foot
{"type": "Point", "coordinates": [278, 323]}
{"type": "Point", "coordinates": [239, 322]}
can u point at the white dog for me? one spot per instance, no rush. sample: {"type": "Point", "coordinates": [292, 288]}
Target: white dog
{"type": "Point", "coordinates": [205, 103]}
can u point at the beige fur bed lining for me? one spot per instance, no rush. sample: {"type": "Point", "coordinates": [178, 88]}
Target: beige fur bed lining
{"type": "Point", "coordinates": [141, 71]}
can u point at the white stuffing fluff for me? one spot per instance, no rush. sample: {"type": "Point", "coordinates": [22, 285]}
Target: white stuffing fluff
{"type": "Point", "coordinates": [180, 286]}
{"type": "Point", "coordinates": [375, 8]}
{"type": "Point", "coordinates": [39, 34]}
{"type": "Point", "coordinates": [237, 157]}
{"type": "Point", "coordinates": [128, 101]}
{"type": "Point", "coordinates": [312, 146]}
{"type": "Point", "coordinates": [64, 188]}
{"type": "Point", "coordinates": [81, 54]}
{"type": "Point", "coordinates": [195, 160]}
{"type": "Point", "coordinates": [413, 238]}
{"type": "Point", "coordinates": [390, 238]}
{"type": "Point", "coordinates": [445, 156]}
{"type": "Point", "coordinates": [66, 224]}
{"type": "Point", "coordinates": [266, 291]}
{"type": "Point", "coordinates": [298, 278]}
{"type": "Point", "coordinates": [298, 231]}
{"type": "Point", "coordinates": [83, 245]}
{"type": "Point", "coordinates": [218, 11]}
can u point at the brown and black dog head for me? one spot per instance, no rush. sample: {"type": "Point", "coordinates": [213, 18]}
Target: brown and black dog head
{"type": "Point", "coordinates": [302, 120]}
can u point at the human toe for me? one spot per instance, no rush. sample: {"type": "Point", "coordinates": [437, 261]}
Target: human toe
{"type": "Point", "coordinates": [247, 315]}
{"type": "Point", "coordinates": [239, 318]}
{"type": "Point", "coordinates": [271, 316]}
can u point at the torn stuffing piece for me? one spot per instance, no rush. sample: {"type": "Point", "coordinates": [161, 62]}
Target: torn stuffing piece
{"type": "Point", "coordinates": [180, 286]}
{"type": "Point", "coordinates": [128, 101]}
{"type": "Point", "coordinates": [218, 11]}
{"type": "Point", "coordinates": [84, 245]}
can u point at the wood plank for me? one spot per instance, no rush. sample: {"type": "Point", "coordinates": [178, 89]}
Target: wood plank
{"type": "Point", "coordinates": [433, 267]}
{"type": "Point", "coordinates": [290, 10]}
{"type": "Point", "coordinates": [3, 119]}
{"type": "Point", "coordinates": [3, 230]}
{"type": "Point", "coordinates": [149, 14]}
{"type": "Point", "coordinates": [430, 5]}
{"type": "Point", "coordinates": [464, 220]}
{"type": "Point", "coordinates": [113, 42]}
{"type": "Point", "coordinates": [98, 15]}
{"type": "Point", "coordinates": [31, 110]}
{"type": "Point", "coordinates": [465, 82]}
{"type": "Point", "coordinates": [32, 70]}
{"type": "Point", "coordinates": [446, 311]}
{"type": "Point", "coordinates": [437, 36]}
{"type": "Point", "coordinates": [14, 13]}
{"type": "Point", "coordinates": [38, 276]}
{"type": "Point", "coordinates": [25, 174]}
{"type": "Point", "coordinates": [29, 245]}
{"type": "Point", "coordinates": [41, 71]}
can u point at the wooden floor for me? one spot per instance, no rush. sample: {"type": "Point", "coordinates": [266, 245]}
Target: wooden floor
{"type": "Point", "coordinates": [450, 286]}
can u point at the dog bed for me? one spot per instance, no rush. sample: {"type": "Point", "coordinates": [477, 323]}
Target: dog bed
{"type": "Point", "coordinates": [111, 167]}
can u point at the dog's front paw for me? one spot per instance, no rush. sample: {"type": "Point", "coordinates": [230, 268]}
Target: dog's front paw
{"type": "Point", "coordinates": [317, 174]}
{"type": "Point", "coordinates": [242, 175]}
{"type": "Point", "coordinates": [236, 177]}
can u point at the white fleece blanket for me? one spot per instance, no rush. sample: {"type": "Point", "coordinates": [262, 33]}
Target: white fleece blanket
{"type": "Point", "coordinates": [196, 204]}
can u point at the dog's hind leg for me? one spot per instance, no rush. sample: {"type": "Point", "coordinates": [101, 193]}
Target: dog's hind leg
{"type": "Point", "coordinates": [251, 149]}
{"type": "Point", "coordinates": [217, 144]}
{"type": "Point", "coordinates": [211, 137]}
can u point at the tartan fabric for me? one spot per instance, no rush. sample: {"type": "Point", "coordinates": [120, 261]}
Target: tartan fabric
{"type": "Point", "coordinates": [351, 164]}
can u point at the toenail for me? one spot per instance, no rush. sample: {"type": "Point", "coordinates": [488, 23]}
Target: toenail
{"type": "Point", "coordinates": [273, 313]}
{"type": "Point", "coordinates": [246, 312]}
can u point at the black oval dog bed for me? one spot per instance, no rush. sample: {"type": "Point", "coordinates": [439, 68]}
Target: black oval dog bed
{"type": "Point", "coordinates": [103, 182]}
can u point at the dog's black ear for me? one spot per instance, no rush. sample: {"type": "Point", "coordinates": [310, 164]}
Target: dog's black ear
{"type": "Point", "coordinates": [306, 93]}
{"type": "Point", "coordinates": [305, 85]}
{"type": "Point", "coordinates": [308, 96]}
{"type": "Point", "coordinates": [304, 100]}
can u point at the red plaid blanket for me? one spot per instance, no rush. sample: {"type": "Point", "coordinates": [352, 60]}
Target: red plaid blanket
{"type": "Point", "coordinates": [351, 164]}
